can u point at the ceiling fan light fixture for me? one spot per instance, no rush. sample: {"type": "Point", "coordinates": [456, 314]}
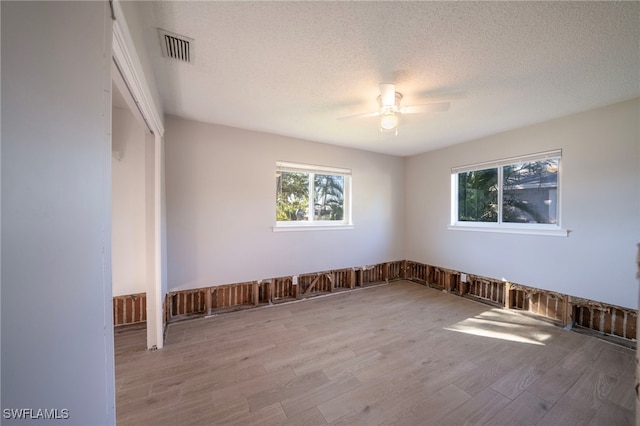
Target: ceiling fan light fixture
{"type": "Point", "coordinates": [389, 103]}
{"type": "Point", "coordinates": [389, 122]}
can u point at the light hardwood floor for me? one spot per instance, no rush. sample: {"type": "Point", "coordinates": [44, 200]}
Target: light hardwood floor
{"type": "Point", "coordinates": [400, 354]}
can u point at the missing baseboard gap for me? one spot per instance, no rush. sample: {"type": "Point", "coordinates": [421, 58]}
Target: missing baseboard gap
{"type": "Point", "coordinates": [609, 338]}
{"type": "Point", "coordinates": [289, 302]}
{"type": "Point", "coordinates": [559, 309]}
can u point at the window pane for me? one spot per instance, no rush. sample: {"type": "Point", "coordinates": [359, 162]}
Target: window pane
{"type": "Point", "coordinates": [530, 192]}
{"type": "Point", "coordinates": [328, 197]}
{"type": "Point", "coordinates": [292, 196]}
{"type": "Point", "coordinates": [478, 196]}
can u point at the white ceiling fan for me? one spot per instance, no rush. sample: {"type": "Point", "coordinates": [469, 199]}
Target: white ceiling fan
{"type": "Point", "coordinates": [389, 101]}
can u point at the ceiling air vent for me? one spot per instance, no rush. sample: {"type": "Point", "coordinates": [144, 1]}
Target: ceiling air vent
{"type": "Point", "coordinates": [176, 46]}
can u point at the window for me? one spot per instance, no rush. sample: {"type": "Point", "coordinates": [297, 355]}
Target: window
{"type": "Point", "coordinates": [513, 195]}
{"type": "Point", "coordinates": [312, 196]}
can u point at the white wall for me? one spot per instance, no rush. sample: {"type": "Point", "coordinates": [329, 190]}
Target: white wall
{"type": "Point", "coordinates": [57, 332]}
{"type": "Point", "coordinates": [600, 191]}
{"type": "Point", "coordinates": [220, 184]}
{"type": "Point", "coordinates": [129, 205]}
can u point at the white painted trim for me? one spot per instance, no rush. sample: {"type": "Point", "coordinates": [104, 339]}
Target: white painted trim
{"type": "Point", "coordinates": [128, 63]}
{"type": "Point", "coordinates": [539, 156]}
{"type": "Point", "coordinates": [126, 59]}
{"type": "Point", "coordinates": [123, 88]}
{"type": "Point", "coordinates": [505, 230]}
{"type": "Point", "coordinates": [106, 196]}
{"type": "Point", "coordinates": [315, 227]}
{"type": "Point", "coordinates": [310, 168]}
{"type": "Point", "coordinates": [157, 237]}
{"type": "Point", "coordinates": [506, 227]}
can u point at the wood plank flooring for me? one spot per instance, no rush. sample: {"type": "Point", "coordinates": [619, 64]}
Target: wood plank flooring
{"type": "Point", "coordinates": [396, 354]}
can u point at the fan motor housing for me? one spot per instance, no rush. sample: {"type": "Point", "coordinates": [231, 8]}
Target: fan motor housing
{"type": "Point", "coordinates": [396, 103]}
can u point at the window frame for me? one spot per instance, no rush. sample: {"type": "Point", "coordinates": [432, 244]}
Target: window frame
{"type": "Point", "coordinates": [312, 224]}
{"type": "Point", "coordinates": [500, 226]}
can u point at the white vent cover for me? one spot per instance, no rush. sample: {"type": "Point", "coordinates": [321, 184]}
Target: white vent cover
{"type": "Point", "coordinates": [176, 46]}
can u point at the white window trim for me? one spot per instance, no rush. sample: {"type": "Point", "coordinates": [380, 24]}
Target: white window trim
{"type": "Point", "coordinates": [293, 228]}
{"type": "Point", "coordinates": [502, 227]}
{"type": "Point", "coordinates": [318, 225]}
{"type": "Point", "coordinates": [490, 227]}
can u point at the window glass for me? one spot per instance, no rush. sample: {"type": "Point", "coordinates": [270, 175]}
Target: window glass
{"type": "Point", "coordinates": [292, 196]}
{"type": "Point", "coordinates": [328, 197]}
{"type": "Point", "coordinates": [530, 192]}
{"type": "Point", "coordinates": [478, 196]}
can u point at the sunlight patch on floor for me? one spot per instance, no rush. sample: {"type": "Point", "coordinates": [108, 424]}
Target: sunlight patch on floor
{"type": "Point", "coordinates": [496, 326]}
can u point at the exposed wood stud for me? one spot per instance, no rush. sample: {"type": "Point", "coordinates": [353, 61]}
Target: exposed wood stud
{"type": "Point", "coordinates": [207, 301]}
{"type": "Point", "coordinates": [507, 295]}
{"type": "Point", "coordinates": [129, 309]}
{"type": "Point", "coordinates": [561, 308]}
{"type": "Point", "coordinates": [624, 321]}
{"type": "Point", "coordinates": [312, 285]}
{"type": "Point", "coordinates": [256, 293]}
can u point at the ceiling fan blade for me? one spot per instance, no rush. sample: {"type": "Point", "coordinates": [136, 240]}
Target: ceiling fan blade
{"type": "Point", "coordinates": [433, 107]}
{"type": "Point", "coordinates": [366, 114]}
{"type": "Point", "coordinates": [387, 94]}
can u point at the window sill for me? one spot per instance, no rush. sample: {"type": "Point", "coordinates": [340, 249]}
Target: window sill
{"type": "Point", "coordinates": [294, 228]}
{"type": "Point", "coordinates": [507, 230]}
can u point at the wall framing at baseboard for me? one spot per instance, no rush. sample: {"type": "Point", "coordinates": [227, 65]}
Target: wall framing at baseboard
{"type": "Point", "coordinates": [560, 309]}
{"type": "Point", "coordinates": [129, 309]}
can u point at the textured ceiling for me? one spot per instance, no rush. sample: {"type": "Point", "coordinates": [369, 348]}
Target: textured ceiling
{"type": "Point", "coordinates": [294, 68]}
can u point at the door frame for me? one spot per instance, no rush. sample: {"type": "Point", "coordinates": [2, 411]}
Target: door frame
{"type": "Point", "coordinates": [130, 68]}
